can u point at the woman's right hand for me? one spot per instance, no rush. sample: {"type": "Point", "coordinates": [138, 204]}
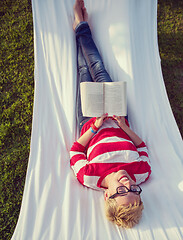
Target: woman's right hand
{"type": "Point", "coordinates": [85, 138]}
{"type": "Point", "coordinates": [100, 120]}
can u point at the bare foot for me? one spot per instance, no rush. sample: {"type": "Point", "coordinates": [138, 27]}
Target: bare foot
{"type": "Point", "coordinates": [84, 11]}
{"type": "Point", "coordinates": [85, 14]}
{"type": "Point", "coordinates": [78, 14]}
{"type": "Point", "coordinates": [82, 4]}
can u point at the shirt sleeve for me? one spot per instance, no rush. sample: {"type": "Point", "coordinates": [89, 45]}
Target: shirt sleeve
{"type": "Point", "coordinates": [144, 169]}
{"type": "Point", "coordinates": [143, 152]}
{"type": "Point", "coordinates": [78, 161]}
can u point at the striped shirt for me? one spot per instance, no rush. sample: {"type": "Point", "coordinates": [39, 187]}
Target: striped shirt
{"type": "Point", "coordinates": [109, 150]}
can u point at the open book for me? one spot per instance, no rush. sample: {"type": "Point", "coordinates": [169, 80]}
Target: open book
{"type": "Point", "coordinates": [104, 97]}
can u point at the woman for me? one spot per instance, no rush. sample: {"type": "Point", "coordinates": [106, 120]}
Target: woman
{"type": "Point", "coordinates": [108, 155]}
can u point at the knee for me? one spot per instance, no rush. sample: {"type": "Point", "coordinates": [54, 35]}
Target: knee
{"type": "Point", "coordinates": [98, 66]}
{"type": "Point", "coordinates": [83, 69]}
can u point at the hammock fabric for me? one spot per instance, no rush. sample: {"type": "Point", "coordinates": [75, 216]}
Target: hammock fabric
{"type": "Point", "coordinates": [55, 205]}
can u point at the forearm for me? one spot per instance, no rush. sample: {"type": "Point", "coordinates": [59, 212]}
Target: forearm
{"type": "Point", "coordinates": [122, 123]}
{"type": "Point", "coordinates": [134, 137]}
{"type": "Point", "coordinates": [85, 138]}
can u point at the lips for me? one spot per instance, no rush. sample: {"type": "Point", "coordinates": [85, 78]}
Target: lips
{"type": "Point", "coordinates": [123, 177]}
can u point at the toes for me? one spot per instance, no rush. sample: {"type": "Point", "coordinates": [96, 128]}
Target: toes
{"type": "Point", "coordinates": [78, 13]}
{"type": "Point", "coordinates": [85, 14]}
{"type": "Point", "coordinates": [81, 3]}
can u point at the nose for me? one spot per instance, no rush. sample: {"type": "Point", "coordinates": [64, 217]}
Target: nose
{"type": "Point", "coordinates": [128, 184]}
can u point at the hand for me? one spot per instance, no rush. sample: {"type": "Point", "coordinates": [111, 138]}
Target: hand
{"type": "Point", "coordinates": [121, 121]}
{"type": "Point", "coordinates": [99, 120]}
{"type": "Point", "coordinates": [134, 137]}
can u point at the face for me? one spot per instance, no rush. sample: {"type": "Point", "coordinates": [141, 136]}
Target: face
{"type": "Point", "coordinates": [121, 178]}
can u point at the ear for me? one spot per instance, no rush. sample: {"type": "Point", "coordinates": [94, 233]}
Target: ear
{"type": "Point", "coordinates": [106, 194]}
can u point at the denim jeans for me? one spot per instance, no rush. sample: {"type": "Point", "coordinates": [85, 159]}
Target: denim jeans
{"type": "Point", "coordinates": [89, 63]}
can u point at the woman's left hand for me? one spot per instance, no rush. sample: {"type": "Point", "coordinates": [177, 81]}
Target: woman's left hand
{"type": "Point", "coordinates": [99, 120]}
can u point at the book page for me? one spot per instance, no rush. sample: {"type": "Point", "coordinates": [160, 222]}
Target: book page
{"type": "Point", "coordinates": [115, 98]}
{"type": "Point", "coordinates": [92, 99]}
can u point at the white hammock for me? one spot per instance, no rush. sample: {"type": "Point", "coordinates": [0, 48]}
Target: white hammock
{"type": "Point", "coordinates": [55, 205]}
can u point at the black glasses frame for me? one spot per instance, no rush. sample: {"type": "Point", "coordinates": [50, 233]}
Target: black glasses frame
{"type": "Point", "coordinates": [125, 193]}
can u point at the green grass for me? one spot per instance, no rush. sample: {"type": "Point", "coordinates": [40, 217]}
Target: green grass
{"type": "Point", "coordinates": [170, 35]}
{"type": "Point", "coordinates": [17, 83]}
{"type": "Point", "coordinates": [16, 99]}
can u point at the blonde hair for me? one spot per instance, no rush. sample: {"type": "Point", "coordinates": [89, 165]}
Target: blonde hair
{"type": "Point", "coordinates": [122, 215]}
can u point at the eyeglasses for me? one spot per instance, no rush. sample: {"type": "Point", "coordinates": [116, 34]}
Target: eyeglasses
{"type": "Point", "coordinates": [123, 190]}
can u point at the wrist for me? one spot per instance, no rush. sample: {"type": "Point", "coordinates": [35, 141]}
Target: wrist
{"type": "Point", "coordinates": [93, 130]}
{"type": "Point", "coordinates": [123, 126]}
{"type": "Point", "coordinates": [95, 126]}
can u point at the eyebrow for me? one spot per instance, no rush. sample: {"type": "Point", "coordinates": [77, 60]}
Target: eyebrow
{"type": "Point", "coordinates": [118, 195]}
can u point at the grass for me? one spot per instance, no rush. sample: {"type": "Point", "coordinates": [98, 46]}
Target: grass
{"type": "Point", "coordinates": [16, 99]}
{"type": "Point", "coordinates": [170, 35]}
{"type": "Point", "coordinates": [17, 90]}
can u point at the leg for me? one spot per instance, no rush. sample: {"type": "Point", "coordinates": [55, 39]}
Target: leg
{"type": "Point", "coordinates": [90, 66]}
{"type": "Point", "coordinates": [84, 76]}
{"type": "Point", "coordinates": [91, 54]}
{"type": "Point", "coordinates": [89, 49]}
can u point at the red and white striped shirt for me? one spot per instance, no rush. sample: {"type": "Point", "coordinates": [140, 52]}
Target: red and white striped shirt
{"type": "Point", "coordinates": [110, 150]}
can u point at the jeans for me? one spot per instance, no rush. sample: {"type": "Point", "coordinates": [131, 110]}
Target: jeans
{"type": "Point", "coordinates": [89, 63]}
